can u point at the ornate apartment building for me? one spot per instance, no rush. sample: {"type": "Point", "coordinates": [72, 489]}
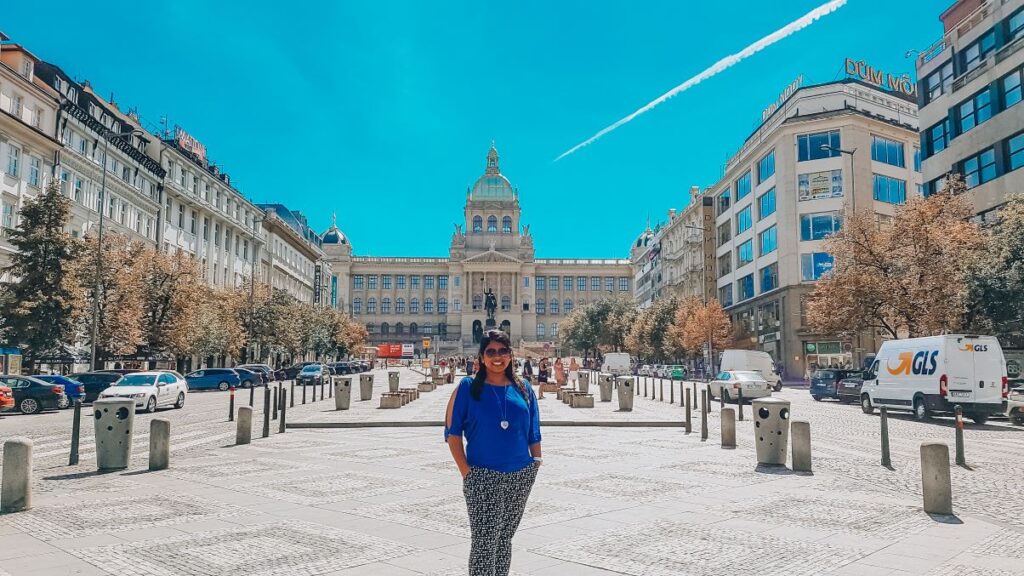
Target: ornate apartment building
{"type": "Point", "coordinates": [407, 299]}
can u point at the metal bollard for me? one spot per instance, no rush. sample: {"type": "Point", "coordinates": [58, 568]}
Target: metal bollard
{"type": "Point", "coordinates": [884, 419]}
{"type": "Point", "coordinates": [322, 390]}
{"type": "Point", "coordinates": [728, 428]}
{"type": "Point", "coordinates": [303, 393]}
{"type": "Point", "coordinates": [672, 392]}
{"type": "Point", "coordinates": [231, 405]}
{"type": "Point", "coordinates": [800, 430]}
{"type": "Point", "coordinates": [76, 432]}
{"type": "Point", "coordinates": [314, 392]}
{"type": "Point", "coordinates": [277, 402]}
{"type": "Point", "coordinates": [740, 404]}
{"type": "Point", "coordinates": [291, 394]}
{"type": "Point", "coordinates": [960, 459]}
{"type": "Point", "coordinates": [160, 443]}
{"type": "Point", "coordinates": [936, 486]}
{"type": "Point", "coordinates": [16, 483]}
{"type": "Point", "coordinates": [689, 413]}
{"type": "Point", "coordinates": [330, 391]}
{"type": "Point", "coordinates": [284, 406]}
{"type": "Point", "coordinates": [252, 392]}
{"type": "Point", "coordinates": [266, 412]}
{"type": "Point", "coordinates": [704, 416]}
{"type": "Point", "coordinates": [645, 386]}
{"type": "Point", "coordinates": [710, 397]}
{"type": "Point", "coordinates": [661, 390]}
{"type": "Point", "coordinates": [721, 400]}
{"type": "Point", "coordinates": [243, 427]}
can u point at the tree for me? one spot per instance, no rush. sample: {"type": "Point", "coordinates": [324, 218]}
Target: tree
{"type": "Point", "coordinates": [41, 302]}
{"type": "Point", "coordinates": [996, 279]}
{"type": "Point", "coordinates": [909, 277]}
{"type": "Point", "coordinates": [696, 323]}
{"type": "Point", "coordinates": [119, 301]}
{"type": "Point", "coordinates": [581, 328]}
{"type": "Point", "coordinates": [649, 335]}
{"type": "Point", "coordinates": [172, 291]}
{"type": "Point", "coordinates": [215, 329]}
{"type": "Point", "coordinates": [350, 336]}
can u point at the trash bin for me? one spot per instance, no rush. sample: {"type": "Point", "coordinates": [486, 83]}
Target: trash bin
{"type": "Point", "coordinates": [584, 382]}
{"type": "Point", "coordinates": [771, 429]}
{"type": "Point", "coordinates": [365, 386]}
{"type": "Point", "coordinates": [625, 385]}
{"type": "Point", "coordinates": [435, 372]}
{"type": "Point", "coordinates": [392, 381]}
{"type": "Point", "coordinates": [342, 392]}
{"type": "Point", "coordinates": [114, 420]}
{"type": "Point", "coordinates": [605, 383]}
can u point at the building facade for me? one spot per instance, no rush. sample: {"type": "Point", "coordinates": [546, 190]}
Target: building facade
{"type": "Point", "coordinates": [824, 152]}
{"type": "Point", "coordinates": [28, 148]}
{"type": "Point", "coordinates": [688, 248]}
{"type": "Point", "coordinates": [645, 260]}
{"type": "Point", "coordinates": [970, 91]}
{"type": "Point", "coordinates": [294, 260]}
{"type": "Point", "coordinates": [443, 299]}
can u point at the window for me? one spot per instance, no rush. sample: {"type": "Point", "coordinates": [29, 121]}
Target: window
{"type": "Point", "coordinates": [939, 82]}
{"type": "Point", "coordinates": [745, 253]}
{"type": "Point", "coordinates": [975, 110]}
{"type": "Point", "coordinates": [371, 306]}
{"type": "Point", "coordinates": [553, 283]}
{"type": "Point", "coordinates": [400, 282]}
{"type": "Point", "coordinates": [937, 137]}
{"type": "Point", "coordinates": [385, 328]}
{"type": "Point", "coordinates": [478, 224]}
{"type": "Point", "coordinates": [581, 283]}
{"type": "Point", "coordinates": [743, 186]}
{"type": "Point", "coordinates": [357, 306]}
{"type": "Point", "coordinates": [766, 204]}
{"type": "Point", "coordinates": [975, 54]}
{"type": "Point", "coordinates": [769, 277]}
{"type": "Point", "coordinates": [554, 329]}
{"type": "Point", "coordinates": [442, 306]}
{"type": "Point", "coordinates": [400, 306]}
{"type": "Point", "coordinates": [457, 305]}
{"type": "Point", "coordinates": [887, 151]}
{"type": "Point", "coordinates": [492, 224]}
{"type": "Point", "coordinates": [478, 302]}
{"type": "Point", "coordinates": [725, 264]}
{"type": "Point", "coordinates": [506, 225]}
{"type": "Point", "coordinates": [609, 283]}
{"type": "Point", "coordinates": [725, 295]}
{"type": "Point", "coordinates": [809, 145]}
{"type": "Point", "coordinates": [414, 306]}
{"type": "Point", "coordinates": [567, 284]}
{"type": "Point", "coordinates": [414, 282]}
{"type": "Point", "coordinates": [442, 282]}
{"type": "Point", "coordinates": [623, 284]}
{"type": "Point", "coordinates": [79, 186]}
{"type": "Point", "coordinates": [540, 331]}
{"type": "Point", "coordinates": [357, 282]}
{"type": "Point", "coordinates": [8, 215]}
{"type": "Point", "coordinates": [1015, 24]}
{"type": "Point", "coordinates": [34, 166]}
{"type": "Point", "coordinates": [371, 281]}
{"type": "Point", "coordinates": [1015, 151]}
{"type": "Point", "coordinates": [980, 168]}
{"type": "Point", "coordinates": [385, 281]}
{"type": "Point", "coordinates": [206, 236]}
{"type": "Point", "coordinates": [814, 265]}
{"type": "Point", "coordinates": [891, 190]}
{"type": "Point", "coordinates": [744, 220]}
{"type": "Point", "coordinates": [724, 233]}
{"type": "Point", "coordinates": [428, 306]}
{"type": "Point", "coordinates": [819, 226]}
{"type": "Point", "coordinates": [541, 307]}
{"type": "Point", "coordinates": [428, 282]}
{"type": "Point", "coordinates": [192, 222]}
{"type": "Point", "coordinates": [1011, 86]}
{"type": "Point", "coordinates": [506, 303]}
{"type": "Point", "coordinates": [723, 202]}
{"type": "Point", "coordinates": [568, 307]}
{"type": "Point", "coordinates": [554, 306]}
{"type": "Point", "coordinates": [541, 282]}
{"type": "Point", "coordinates": [745, 287]}
{"type": "Point", "coordinates": [768, 241]}
{"type": "Point", "coordinates": [13, 155]}
{"type": "Point", "coordinates": [385, 305]}
{"type": "Point", "coordinates": [595, 283]}
{"type": "Point", "coordinates": [917, 159]}
{"type": "Point", "coordinates": [181, 216]}
{"type": "Point", "coordinates": [766, 167]}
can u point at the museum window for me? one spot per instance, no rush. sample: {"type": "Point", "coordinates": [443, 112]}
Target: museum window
{"type": "Point", "coordinates": [887, 151]}
{"type": "Point", "coordinates": [541, 283]}
{"type": "Point", "coordinates": [457, 279]}
{"type": "Point", "coordinates": [442, 306]}
{"type": "Point", "coordinates": [609, 284]}
{"type": "Point", "coordinates": [541, 333]}
{"type": "Point", "coordinates": [979, 168]}
{"type": "Point", "coordinates": [554, 329]}
{"type": "Point", "coordinates": [385, 281]}
{"type": "Point", "coordinates": [399, 329]}
{"type": "Point", "coordinates": [743, 186]}
{"type": "Point", "coordinates": [414, 282]}
{"type": "Point", "coordinates": [371, 282]}
{"type": "Point", "coordinates": [890, 190]}
{"type": "Point", "coordinates": [428, 306]}
{"type": "Point", "coordinates": [567, 307]}
{"type": "Point", "coordinates": [506, 225]}
{"type": "Point", "coordinates": [567, 284]}
{"type": "Point", "coordinates": [414, 329]}
{"type": "Point", "coordinates": [400, 282]}
{"type": "Point", "coordinates": [809, 146]}
{"type": "Point", "coordinates": [442, 282]}
{"type": "Point", "coordinates": [553, 283]}
{"type": "Point", "coordinates": [581, 283]}
{"type": "Point", "coordinates": [766, 204]}
{"type": "Point", "coordinates": [414, 305]}
{"type": "Point", "coordinates": [456, 305]}
{"type": "Point", "coordinates": [492, 224]}
{"type": "Point", "coordinates": [442, 329]}
{"type": "Point", "coordinates": [595, 283]}
{"type": "Point", "coordinates": [506, 303]}
{"type": "Point", "coordinates": [526, 281]}
{"type": "Point", "coordinates": [541, 306]}
{"type": "Point", "coordinates": [427, 328]}
{"type": "Point", "coordinates": [371, 306]}
{"type": "Point", "coordinates": [385, 328]}
{"type": "Point", "coordinates": [553, 306]}
{"type": "Point", "coordinates": [400, 306]}
{"type": "Point", "coordinates": [623, 284]}
{"type": "Point", "coordinates": [385, 305]}
{"type": "Point", "coordinates": [428, 282]}
{"type": "Point", "coordinates": [478, 224]}
{"type": "Point", "coordinates": [769, 277]}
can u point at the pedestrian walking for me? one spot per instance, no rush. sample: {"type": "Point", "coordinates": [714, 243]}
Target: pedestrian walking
{"type": "Point", "coordinates": [496, 412]}
{"type": "Point", "coordinates": [559, 372]}
{"type": "Point", "coordinates": [542, 376]}
{"type": "Point", "coordinates": [574, 371]}
{"type": "Point", "coordinates": [527, 369]}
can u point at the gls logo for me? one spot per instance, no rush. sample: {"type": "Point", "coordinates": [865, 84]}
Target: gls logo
{"type": "Point", "coordinates": [974, 348]}
{"type": "Point", "coordinates": [921, 363]}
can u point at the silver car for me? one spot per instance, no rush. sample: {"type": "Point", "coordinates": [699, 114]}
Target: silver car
{"type": "Point", "coordinates": [150, 390]}
{"type": "Point", "coordinates": [729, 383]}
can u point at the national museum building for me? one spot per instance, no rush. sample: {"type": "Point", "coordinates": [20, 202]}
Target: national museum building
{"type": "Point", "coordinates": [408, 300]}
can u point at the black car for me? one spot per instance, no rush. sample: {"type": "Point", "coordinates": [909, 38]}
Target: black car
{"type": "Point", "coordinates": [364, 366]}
{"type": "Point", "coordinates": [266, 372]}
{"type": "Point", "coordinates": [849, 389]}
{"type": "Point", "coordinates": [825, 382]}
{"type": "Point", "coordinates": [248, 377]}
{"type": "Point", "coordinates": [340, 368]}
{"type": "Point", "coordinates": [96, 382]}
{"type": "Point", "coordinates": [32, 395]}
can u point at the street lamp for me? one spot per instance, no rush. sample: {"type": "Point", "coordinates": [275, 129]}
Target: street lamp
{"type": "Point", "coordinates": [853, 173]}
{"type": "Point", "coordinates": [107, 136]}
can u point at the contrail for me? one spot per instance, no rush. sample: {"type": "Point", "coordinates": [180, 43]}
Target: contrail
{"type": "Point", "coordinates": [787, 30]}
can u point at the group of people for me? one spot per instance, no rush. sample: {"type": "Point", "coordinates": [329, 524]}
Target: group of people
{"type": "Point", "coordinates": [559, 373]}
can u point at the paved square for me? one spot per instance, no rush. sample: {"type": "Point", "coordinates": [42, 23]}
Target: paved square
{"type": "Point", "coordinates": [329, 488]}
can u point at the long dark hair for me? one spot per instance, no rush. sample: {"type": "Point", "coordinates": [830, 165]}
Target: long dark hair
{"type": "Point", "coordinates": [477, 388]}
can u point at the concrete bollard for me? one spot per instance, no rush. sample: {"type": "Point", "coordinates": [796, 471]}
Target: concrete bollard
{"type": "Point", "coordinates": [645, 386]}
{"type": "Point", "coordinates": [266, 412]}
{"type": "Point", "coordinates": [159, 444]}
{"type": "Point", "coordinates": [703, 415]}
{"type": "Point", "coordinates": [800, 430]}
{"type": "Point", "coordinates": [284, 408]}
{"type": "Point", "coordinates": [114, 420]}
{"type": "Point", "coordinates": [961, 460]}
{"type": "Point", "coordinates": [936, 485]}
{"type": "Point", "coordinates": [689, 413]}
{"type": "Point", "coordinates": [16, 484]}
{"type": "Point", "coordinates": [243, 425]}
{"type": "Point", "coordinates": [728, 428]}
{"type": "Point", "coordinates": [884, 419]}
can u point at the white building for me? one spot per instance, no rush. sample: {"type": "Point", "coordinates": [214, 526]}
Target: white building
{"type": "Point", "coordinates": [295, 260]}
{"type": "Point", "coordinates": [688, 248]}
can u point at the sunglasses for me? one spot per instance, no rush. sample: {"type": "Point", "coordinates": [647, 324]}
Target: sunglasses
{"type": "Point", "coordinates": [497, 352]}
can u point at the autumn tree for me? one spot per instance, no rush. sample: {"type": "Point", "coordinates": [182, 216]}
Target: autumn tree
{"type": "Point", "coordinates": [172, 292]}
{"type": "Point", "coordinates": [996, 279]}
{"type": "Point", "coordinates": [580, 330]}
{"type": "Point", "coordinates": [350, 336]}
{"type": "Point", "coordinates": [41, 302]}
{"type": "Point", "coordinates": [649, 334]}
{"type": "Point", "coordinates": [905, 278]}
{"type": "Point", "coordinates": [215, 329]}
{"type": "Point", "coordinates": [695, 324]}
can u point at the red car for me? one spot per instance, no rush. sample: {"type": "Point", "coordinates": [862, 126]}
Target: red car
{"type": "Point", "coordinates": [6, 399]}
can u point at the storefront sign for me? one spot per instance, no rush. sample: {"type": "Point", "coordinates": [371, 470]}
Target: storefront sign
{"type": "Point", "coordinates": [817, 185]}
{"type": "Point", "coordinates": [390, 351]}
{"type": "Point", "coordinates": [861, 70]}
{"type": "Point", "coordinates": [793, 87]}
{"type": "Point", "coordinates": [186, 142]}
{"type": "Point", "coordinates": [334, 291]}
{"type": "Point", "coordinates": [318, 278]}
{"type": "Point", "coordinates": [407, 350]}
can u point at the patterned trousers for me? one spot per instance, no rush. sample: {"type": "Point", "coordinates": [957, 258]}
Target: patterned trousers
{"type": "Point", "coordinates": [495, 501]}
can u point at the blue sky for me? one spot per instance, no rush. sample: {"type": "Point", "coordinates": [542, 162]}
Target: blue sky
{"type": "Point", "coordinates": [383, 111]}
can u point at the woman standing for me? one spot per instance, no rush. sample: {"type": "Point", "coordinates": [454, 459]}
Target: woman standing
{"type": "Point", "coordinates": [527, 369]}
{"type": "Point", "coordinates": [497, 414]}
{"type": "Point", "coordinates": [542, 375]}
{"type": "Point", "coordinates": [559, 372]}
{"type": "Point", "coordinates": [574, 372]}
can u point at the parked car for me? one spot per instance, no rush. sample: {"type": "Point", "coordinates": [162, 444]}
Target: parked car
{"type": "Point", "coordinates": [6, 399]}
{"type": "Point", "coordinates": [644, 370]}
{"type": "Point", "coordinates": [933, 375]}
{"type": "Point", "coordinates": [753, 361]}
{"type": "Point", "coordinates": [213, 379]}
{"type": "Point", "coordinates": [248, 378]}
{"type": "Point", "coordinates": [1015, 402]}
{"type": "Point", "coordinates": [729, 383]}
{"type": "Point", "coordinates": [32, 395]}
{"type": "Point", "coordinates": [314, 374]}
{"type": "Point", "coordinates": [676, 372]}
{"type": "Point", "coordinates": [292, 372]}
{"type": "Point", "coordinates": [342, 368]}
{"type": "Point", "coordinates": [73, 389]}
{"type": "Point", "coordinates": [150, 390]}
{"type": "Point", "coordinates": [96, 382]}
{"type": "Point", "coordinates": [849, 388]}
{"type": "Point", "coordinates": [122, 371]}
{"type": "Point", "coordinates": [266, 372]}
{"type": "Point", "coordinates": [616, 363]}
{"type": "Point", "coordinates": [364, 366]}
{"type": "Point", "coordinates": [825, 382]}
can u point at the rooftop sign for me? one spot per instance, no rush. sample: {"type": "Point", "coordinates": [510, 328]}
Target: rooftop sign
{"type": "Point", "coordinates": [861, 70]}
{"type": "Point", "coordinates": [793, 87]}
{"type": "Point", "coordinates": [186, 142]}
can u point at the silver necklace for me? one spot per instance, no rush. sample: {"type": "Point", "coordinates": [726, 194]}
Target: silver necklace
{"type": "Point", "coordinates": [502, 401]}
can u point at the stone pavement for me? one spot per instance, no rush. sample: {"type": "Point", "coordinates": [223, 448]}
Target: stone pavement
{"type": "Point", "coordinates": [637, 501]}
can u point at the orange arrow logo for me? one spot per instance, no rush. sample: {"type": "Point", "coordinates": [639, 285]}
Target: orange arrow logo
{"type": "Point", "coordinates": [903, 367]}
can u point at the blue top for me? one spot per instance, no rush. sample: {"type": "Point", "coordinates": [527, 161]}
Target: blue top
{"type": "Point", "coordinates": [479, 421]}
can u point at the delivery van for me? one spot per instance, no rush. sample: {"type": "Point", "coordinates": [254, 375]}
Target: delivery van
{"type": "Point", "coordinates": [933, 375]}
{"type": "Point", "coordinates": [617, 363]}
{"type": "Point", "coordinates": [752, 361]}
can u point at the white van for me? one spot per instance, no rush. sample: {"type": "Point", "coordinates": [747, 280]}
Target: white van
{"type": "Point", "coordinates": [617, 363]}
{"type": "Point", "coordinates": [752, 361]}
{"type": "Point", "coordinates": [934, 374]}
